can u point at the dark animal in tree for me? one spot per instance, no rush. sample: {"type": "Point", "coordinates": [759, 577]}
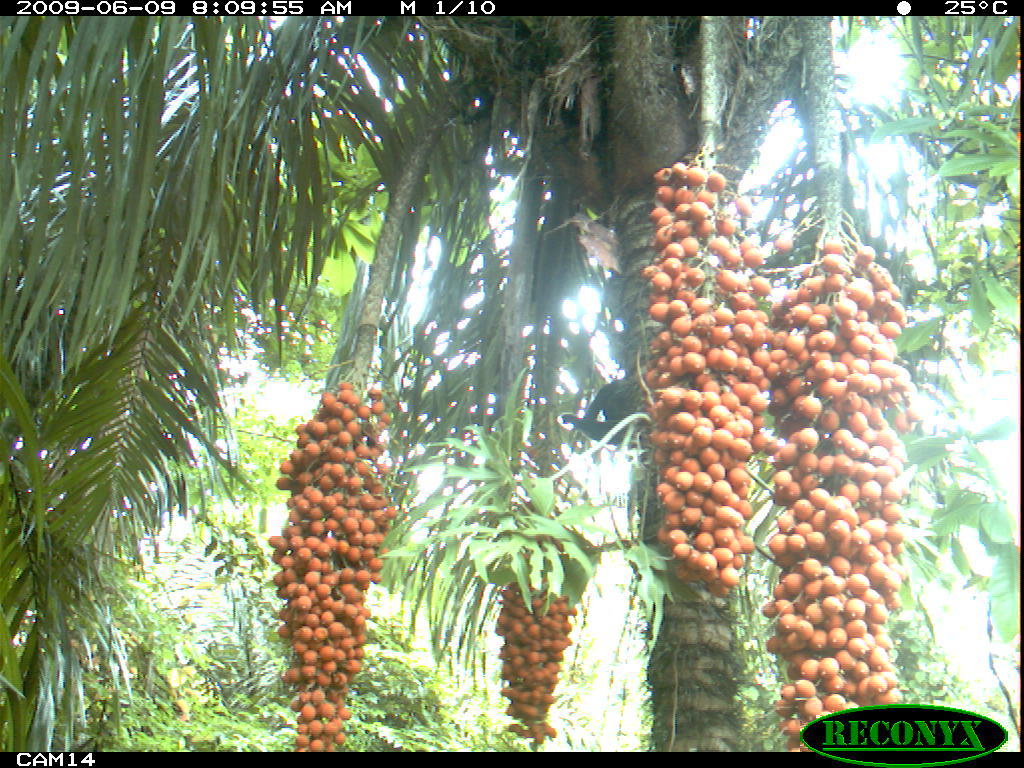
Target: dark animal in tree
{"type": "Point", "coordinates": [612, 403]}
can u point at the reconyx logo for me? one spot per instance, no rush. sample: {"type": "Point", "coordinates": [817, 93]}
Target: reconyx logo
{"type": "Point", "coordinates": [904, 734]}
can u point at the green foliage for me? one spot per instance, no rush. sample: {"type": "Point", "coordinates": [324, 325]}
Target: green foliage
{"type": "Point", "coordinates": [202, 672]}
{"type": "Point", "coordinates": [160, 170]}
{"type": "Point", "coordinates": [204, 724]}
{"type": "Point", "coordinates": [945, 218]}
{"type": "Point", "coordinates": [494, 520]}
{"type": "Point", "coordinates": [402, 702]}
{"type": "Point", "coordinates": [496, 524]}
{"type": "Point", "coordinates": [298, 345]}
{"type": "Point", "coordinates": [362, 202]}
{"type": "Point", "coordinates": [928, 677]}
{"type": "Point", "coordinates": [761, 676]}
{"type": "Point", "coordinates": [166, 174]}
{"type": "Point", "coordinates": [959, 492]}
{"type": "Point", "coordinates": [263, 435]}
{"type": "Point", "coordinates": [204, 665]}
{"type": "Point", "coordinates": [652, 581]}
{"type": "Point", "coordinates": [298, 341]}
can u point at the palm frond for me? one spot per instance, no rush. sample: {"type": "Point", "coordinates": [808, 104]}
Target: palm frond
{"type": "Point", "coordinates": [490, 524]}
{"type": "Point", "coordinates": [157, 169]}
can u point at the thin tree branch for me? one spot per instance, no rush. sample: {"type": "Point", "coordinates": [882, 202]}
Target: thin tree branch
{"type": "Point", "coordinates": [1002, 686]}
{"type": "Point", "coordinates": [399, 201]}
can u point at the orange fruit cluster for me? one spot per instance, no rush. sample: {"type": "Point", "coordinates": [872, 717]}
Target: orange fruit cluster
{"type": "Point", "coordinates": [838, 465]}
{"type": "Point", "coordinates": [531, 655]}
{"type": "Point", "coordinates": [707, 374]}
{"type": "Point", "coordinates": [329, 556]}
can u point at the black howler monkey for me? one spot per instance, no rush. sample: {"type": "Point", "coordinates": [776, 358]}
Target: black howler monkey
{"type": "Point", "coordinates": [612, 403]}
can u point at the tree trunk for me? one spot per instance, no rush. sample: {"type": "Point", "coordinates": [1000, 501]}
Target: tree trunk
{"type": "Point", "coordinates": [692, 675]}
{"type": "Point", "coordinates": [692, 669]}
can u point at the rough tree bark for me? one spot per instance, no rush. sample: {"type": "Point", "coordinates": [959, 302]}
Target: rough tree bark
{"type": "Point", "coordinates": [822, 120]}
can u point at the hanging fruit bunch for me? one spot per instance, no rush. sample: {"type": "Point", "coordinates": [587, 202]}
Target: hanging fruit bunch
{"type": "Point", "coordinates": [531, 656]}
{"type": "Point", "coordinates": [329, 556]}
{"type": "Point", "coordinates": [834, 381]}
{"type": "Point", "coordinates": [707, 373]}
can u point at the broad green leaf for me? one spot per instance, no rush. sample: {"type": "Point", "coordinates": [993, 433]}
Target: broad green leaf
{"type": "Point", "coordinates": [507, 546]}
{"type": "Point", "coordinates": [961, 508]}
{"type": "Point", "coordinates": [1004, 593]}
{"type": "Point", "coordinates": [978, 463]}
{"type": "Point", "coordinates": [927, 451]}
{"type": "Point", "coordinates": [640, 555]}
{"type": "Point", "coordinates": [1013, 182]}
{"type": "Point", "coordinates": [554, 573]}
{"type": "Point", "coordinates": [924, 555]}
{"type": "Point", "coordinates": [338, 274]}
{"type": "Point", "coordinates": [917, 335]}
{"type": "Point", "coordinates": [497, 458]}
{"type": "Point", "coordinates": [985, 133]}
{"type": "Point", "coordinates": [432, 502]}
{"type": "Point", "coordinates": [981, 310]}
{"type": "Point", "coordinates": [1000, 430]}
{"type": "Point", "coordinates": [1006, 304]}
{"type": "Point", "coordinates": [652, 593]}
{"type": "Point", "coordinates": [576, 548]}
{"type": "Point", "coordinates": [482, 555]}
{"type": "Point", "coordinates": [960, 558]}
{"type": "Point", "coordinates": [996, 522]}
{"type": "Point", "coordinates": [577, 577]}
{"type": "Point", "coordinates": [477, 474]}
{"type": "Point", "coordinates": [542, 493]}
{"type": "Point", "coordinates": [967, 211]}
{"type": "Point", "coordinates": [961, 165]}
{"type": "Point", "coordinates": [974, 355]}
{"type": "Point", "coordinates": [521, 567]}
{"type": "Point", "coordinates": [904, 126]}
{"type": "Point", "coordinates": [577, 518]}
{"type": "Point", "coordinates": [360, 232]}
{"type": "Point", "coordinates": [1005, 167]}
{"type": "Point", "coordinates": [501, 575]}
{"type": "Point", "coordinates": [578, 513]}
{"type": "Point", "coordinates": [540, 528]}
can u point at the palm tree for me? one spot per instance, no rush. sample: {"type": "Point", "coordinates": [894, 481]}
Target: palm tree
{"type": "Point", "coordinates": [160, 174]}
{"type": "Point", "coordinates": [166, 172]}
{"type": "Point", "coordinates": [579, 112]}
{"type": "Point", "coordinates": [201, 145]}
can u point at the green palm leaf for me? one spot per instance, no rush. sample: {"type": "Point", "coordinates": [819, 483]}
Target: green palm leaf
{"type": "Point", "coordinates": [159, 172]}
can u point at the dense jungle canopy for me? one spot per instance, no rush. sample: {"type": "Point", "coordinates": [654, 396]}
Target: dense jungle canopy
{"type": "Point", "coordinates": [203, 212]}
